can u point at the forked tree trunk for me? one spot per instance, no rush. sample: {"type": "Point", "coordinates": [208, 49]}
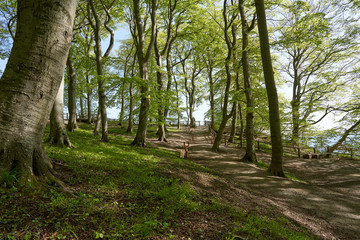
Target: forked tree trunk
{"type": "Point", "coordinates": [72, 124]}
{"type": "Point", "coordinates": [58, 135]}
{"type": "Point", "coordinates": [275, 167]}
{"type": "Point", "coordinates": [143, 59]}
{"type": "Point", "coordinates": [30, 83]}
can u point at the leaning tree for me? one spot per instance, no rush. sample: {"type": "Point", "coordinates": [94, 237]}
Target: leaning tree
{"type": "Point", "coordinates": [30, 83]}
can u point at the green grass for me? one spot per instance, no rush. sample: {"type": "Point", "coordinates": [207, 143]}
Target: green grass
{"type": "Point", "coordinates": [120, 192]}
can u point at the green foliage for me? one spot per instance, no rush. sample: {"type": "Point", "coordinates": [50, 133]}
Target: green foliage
{"type": "Point", "coordinates": [120, 192]}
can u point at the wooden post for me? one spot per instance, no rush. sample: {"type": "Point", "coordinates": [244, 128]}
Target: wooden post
{"type": "Point", "coordinates": [314, 150]}
{"type": "Point", "coordinates": [258, 142]}
{"type": "Point", "coordinates": [299, 152]}
{"type": "Point", "coordinates": [351, 152]}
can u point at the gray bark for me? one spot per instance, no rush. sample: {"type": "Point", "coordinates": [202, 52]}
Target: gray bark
{"type": "Point", "coordinates": [250, 154]}
{"type": "Point", "coordinates": [72, 124]}
{"type": "Point", "coordinates": [30, 83]}
{"type": "Point", "coordinates": [58, 135]}
{"type": "Point", "coordinates": [143, 59]}
{"type": "Point", "coordinates": [275, 167]}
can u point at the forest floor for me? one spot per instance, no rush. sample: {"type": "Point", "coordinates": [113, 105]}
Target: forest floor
{"type": "Point", "coordinates": [324, 199]}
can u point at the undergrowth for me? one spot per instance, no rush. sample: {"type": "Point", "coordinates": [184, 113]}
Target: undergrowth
{"type": "Point", "coordinates": [121, 192]}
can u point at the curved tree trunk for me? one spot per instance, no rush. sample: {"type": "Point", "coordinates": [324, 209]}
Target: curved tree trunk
{"type": "Point", "coordinates": [344, 136]}
{"type": "Point", "coordinates": [72, 124]}
{"type": "Point", "coordinates": [58, 135]}
{"type": "Point", "coordinates": [275, 167]}
{"type": "Point", "coordinates": [30, 83]}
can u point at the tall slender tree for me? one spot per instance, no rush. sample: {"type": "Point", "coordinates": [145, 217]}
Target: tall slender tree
{"type": "Point", "coordinates": [275, 167]}
{"type": "Point", "coordinates": [96, 26]}
{"type": "Point", "coordinates": [250, 154]}
{"type": "Point", "coordinates": [143, 57]}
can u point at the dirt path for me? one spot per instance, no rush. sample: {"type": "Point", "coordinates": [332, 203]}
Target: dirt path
{"type": "Point", "coordinates": [328, 203]}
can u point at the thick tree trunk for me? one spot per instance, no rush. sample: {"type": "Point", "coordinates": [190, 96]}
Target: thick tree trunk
{"type": "Point", "coordinates": [140, 138]}
{"type": "Point", "coordinates": [275, 167]}
{"type": "Point", "coordinates": [30, 83]}
{"type": "Point", "coordinates": [72, 124]}
{"type": "Point", "coordinates": [58, 135]}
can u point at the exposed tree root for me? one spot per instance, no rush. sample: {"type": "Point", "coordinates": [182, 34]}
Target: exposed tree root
{"type": "Point", "coordinates": [31, 164]}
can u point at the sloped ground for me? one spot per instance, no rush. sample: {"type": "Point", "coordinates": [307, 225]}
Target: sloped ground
{"type": "Point", "coordinates": [327, 201]}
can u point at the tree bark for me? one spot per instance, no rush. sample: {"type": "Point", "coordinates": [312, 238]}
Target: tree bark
{"type": "Point", "coordinates": [230, 46]}
{"type": "Point", "coordinates": [131, 120]}
{"type": "Point", "coordinates": [99, 64]}
{"type": "Point", "coordinates": [72, 124]}
{"type": "Point", "coordinates": [88, 100]}
{"type": "Point", "coordinates": [30, 83]}
{"type": "Point", "coordinates": [97, 123]}
{"type": "Point", "coordinates": [275, 167]}
{"type": "Point", "coordinates": [250, 154]}
{"type": "Point", "coordinates": [58, 135]}
{"type": "Point", "coordinates": [143, 59]}
{"type": "Point", "coordinates": [233, 124]}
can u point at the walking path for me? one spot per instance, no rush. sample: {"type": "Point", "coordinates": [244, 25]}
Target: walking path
{"type": "Point", "coordinates": [328, 203]}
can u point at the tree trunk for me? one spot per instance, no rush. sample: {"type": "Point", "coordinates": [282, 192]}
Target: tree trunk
{"type": "Point", "coordinates": [344, 136]}
{"type": "Point", "coordinates": [58, 135]}
{"type": "Point", "coordinates": [30, 84]}
{"type": "Point", "coordinates": [72, 125]}
{"type": "Point", "coordinates": [233, 124]}
{"type": "Point", "coordinates": [88, 100]}
{"type": "Point", "coordinates": [97, 123]}
{"type": "Point", "coordinates": [250, 154]}
{"type": "Point", "coordinates": [131, 121]}
{"type": "Point", "coordinates": [121, 117]}
{"type": "Point", "coordinates": [275, 167]}
{"type": "Point", "coordinates": [81, 106]}
{"type": "Point", "coordinates": [143, 59]}
{"type": "Point", "coordinates": [295, 110]}
{"type": "Point", "coordinates": [241, 119]}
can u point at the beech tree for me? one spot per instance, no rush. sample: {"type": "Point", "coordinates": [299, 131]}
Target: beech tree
{"type": "Point", "coordinates": [96, 26]}
{"type": "Point", "coordinates": [275, 167]}
{"type": "Point", "coordinates": [30, 83]}
{"type": "Point", "coordinates": [250, 154]}
{"type": "Point", "coordinates": [138, 32]}
{"type": "Point", "coordinates": [318, 55]}
{"type": "Point", "coordinates": [58, 135]}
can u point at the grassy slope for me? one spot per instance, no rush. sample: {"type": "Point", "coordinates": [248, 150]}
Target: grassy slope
{"type": "Point", "coordinates": [124, 192]}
